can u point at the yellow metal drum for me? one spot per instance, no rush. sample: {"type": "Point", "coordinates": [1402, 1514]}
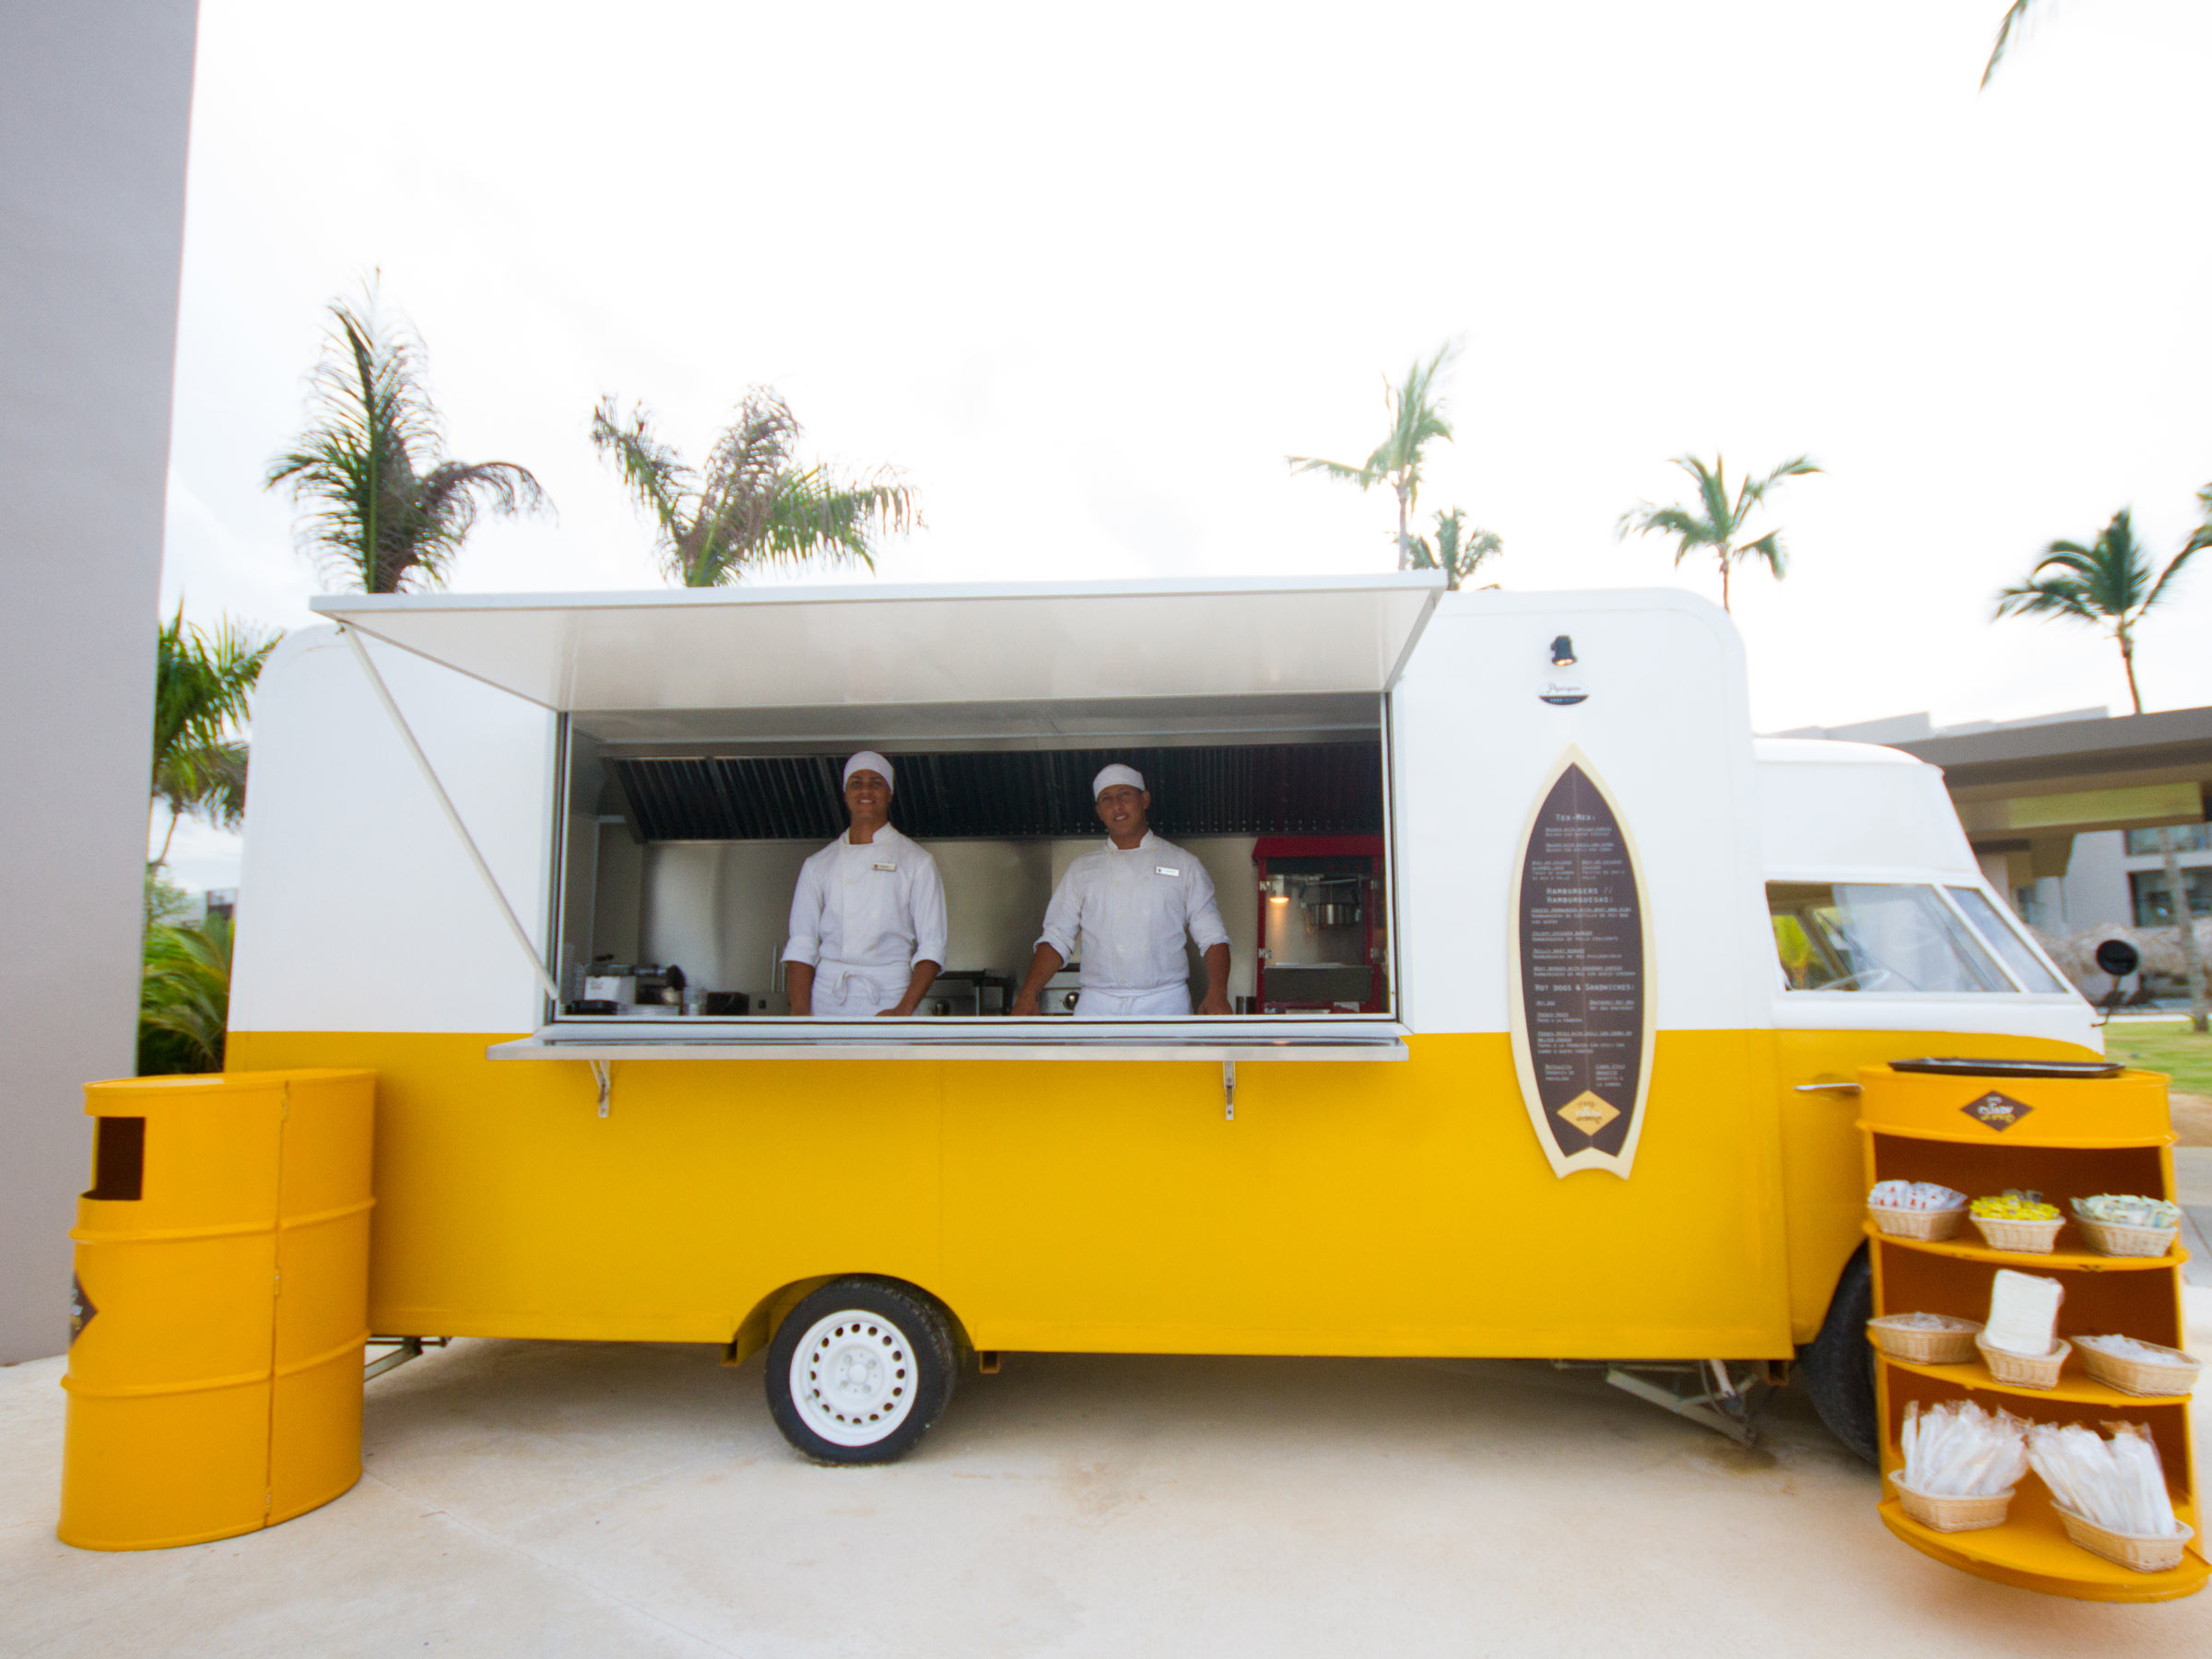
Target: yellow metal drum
{"type": "Point", "coordinates": [214, 1358]}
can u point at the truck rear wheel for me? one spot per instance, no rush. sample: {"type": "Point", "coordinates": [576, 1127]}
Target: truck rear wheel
{"type": "Point", "coordinates": [859, 1370]}
{"type": "Point", "coordinates": [1838, 1364]}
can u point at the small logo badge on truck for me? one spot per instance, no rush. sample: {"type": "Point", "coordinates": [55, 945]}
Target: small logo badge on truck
{"type": "Point", "coordinates": [1994, 1110]}
{"type": "Point", "coordinates": [1589, 1112]}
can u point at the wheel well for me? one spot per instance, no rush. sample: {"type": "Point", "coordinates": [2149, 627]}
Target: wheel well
{"type": "Point", "coordinates": [757, 1329]}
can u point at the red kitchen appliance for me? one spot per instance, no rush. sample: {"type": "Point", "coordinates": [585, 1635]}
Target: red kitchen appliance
{"type": "Point", "coordinates": [1323, 927]}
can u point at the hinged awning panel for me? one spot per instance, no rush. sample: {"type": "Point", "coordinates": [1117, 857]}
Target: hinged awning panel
{"type": "Point", "coordinates": [866, 645]}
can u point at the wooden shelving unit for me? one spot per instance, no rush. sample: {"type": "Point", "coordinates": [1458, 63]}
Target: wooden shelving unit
{"type": "Point", "coordinates": [2070, 1138]}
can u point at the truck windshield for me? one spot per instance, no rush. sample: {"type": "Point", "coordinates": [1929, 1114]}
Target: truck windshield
{"type": "Point", "coordinates": [2003, 936]}
{"type": "Point", "coordinates": [1877, 936]}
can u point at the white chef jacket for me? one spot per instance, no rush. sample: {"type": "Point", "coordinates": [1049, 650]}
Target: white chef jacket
{"type": "Point", "coordinates": [1123, 915]}
{"type": "Point", "coordinates": [867, 912]}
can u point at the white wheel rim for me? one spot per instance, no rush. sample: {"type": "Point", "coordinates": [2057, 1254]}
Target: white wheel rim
{"type": "Point", "coordinates": [854, 1377]}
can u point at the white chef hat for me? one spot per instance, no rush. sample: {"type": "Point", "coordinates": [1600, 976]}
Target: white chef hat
{"type": "Point", "coordinates": [869, 760]}
{"type": "Point", "coordinates": [1116, 773]}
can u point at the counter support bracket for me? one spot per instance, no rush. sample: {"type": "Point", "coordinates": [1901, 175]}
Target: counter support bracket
{"type": "Point", "coordinates": [1229, 1091]}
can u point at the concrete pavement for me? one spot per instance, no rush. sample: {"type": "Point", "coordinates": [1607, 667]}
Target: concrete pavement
{"type": "Point", "coordinates": [604, 1500]}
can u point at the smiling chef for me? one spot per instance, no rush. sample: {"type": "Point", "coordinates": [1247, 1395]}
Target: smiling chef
{"type": "Point", "coordinates": [867, 918]}
{"type": "Point", "coordinates": [1127, 906]}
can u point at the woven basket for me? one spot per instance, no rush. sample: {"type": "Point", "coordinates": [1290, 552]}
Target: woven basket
{"type": "Point", "coordinates": [2109, 1237]}
{"type": "Point", "coordinates": [2030, 1238]}
{"type": "Point", "coordinates": [1916, 1224]}
{"type": "Point", "coordinates": [2024, 1371]}
{"type": "Point", "coordinates": [1918, 1346]}
{"type": "Point", "coordinates": [2138, 1555]}
{"type": "Point", "coordinates": [2176, 1376]}
{"type": "Point", "coordinates": [1953, 1515]}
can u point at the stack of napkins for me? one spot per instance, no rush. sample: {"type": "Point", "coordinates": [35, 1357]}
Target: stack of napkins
{"type": "Point", "coordinates": [2023, 1315]}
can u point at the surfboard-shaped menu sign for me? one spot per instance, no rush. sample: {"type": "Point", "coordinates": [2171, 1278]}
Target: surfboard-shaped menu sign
{"type": "Point", "coordinates": [1581, 970]}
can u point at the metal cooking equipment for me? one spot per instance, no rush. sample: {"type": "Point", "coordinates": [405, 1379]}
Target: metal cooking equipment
{"type": "Point", "coordinates": [1060, 991]}
{"type": "Point", "coordinates": [967, 993]}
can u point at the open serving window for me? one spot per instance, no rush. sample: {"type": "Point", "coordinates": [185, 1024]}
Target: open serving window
{"type": "Point", "coordinates": [702, 735]}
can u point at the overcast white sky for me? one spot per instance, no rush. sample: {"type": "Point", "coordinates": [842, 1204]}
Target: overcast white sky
{"type": "Point", "coordinates": [1088, 274]}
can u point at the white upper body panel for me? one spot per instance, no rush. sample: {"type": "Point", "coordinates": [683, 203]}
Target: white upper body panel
{"type": "Point", "coordinates": [1667, 727]}
{"type": "Point", "coordinates": [1828, 811]}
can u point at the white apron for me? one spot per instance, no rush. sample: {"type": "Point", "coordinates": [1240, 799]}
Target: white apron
{"type": "Point", "coordinates": [842, 990]}
{"type": "Point", "coordinates": [1132, 1005]}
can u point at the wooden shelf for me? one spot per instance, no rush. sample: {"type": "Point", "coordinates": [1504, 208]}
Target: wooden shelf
{"type": "Point", "coordinates": [2073, 1388]}
{"type": "Point", "coordinates": [2064, 1261]}
{"type": "Point", "coordinates": [2033, 1551]}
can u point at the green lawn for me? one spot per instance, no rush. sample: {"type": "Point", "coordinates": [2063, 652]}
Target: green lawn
{"type": "Point", "coordinates": [2166, 1046]}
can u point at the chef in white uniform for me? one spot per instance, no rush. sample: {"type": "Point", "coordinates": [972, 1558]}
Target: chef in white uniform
{"type": "Point", "coordinates": [867, 918]}
{"type": "Point", "coordinates": [1122, 911]}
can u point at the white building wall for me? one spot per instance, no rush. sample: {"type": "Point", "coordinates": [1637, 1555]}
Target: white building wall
{"type": "Point", "coordinates": [94, 108]}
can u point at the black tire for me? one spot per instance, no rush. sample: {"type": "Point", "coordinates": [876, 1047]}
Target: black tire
{"type": "Point", "coordinates": [1838, 1364]}
{"type": "Point", "coordinates": [891, 1363]}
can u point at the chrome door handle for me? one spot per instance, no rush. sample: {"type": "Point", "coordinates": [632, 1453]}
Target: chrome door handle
{"type": "Point", "coordinates": [1827, 1088]}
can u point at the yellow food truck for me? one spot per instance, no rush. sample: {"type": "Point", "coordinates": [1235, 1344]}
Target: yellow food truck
{"type": "Point", "coordinates": [1553, 982]}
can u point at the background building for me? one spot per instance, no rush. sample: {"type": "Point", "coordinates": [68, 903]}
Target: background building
{"type": "Point", "coordinates": [2063, 809]}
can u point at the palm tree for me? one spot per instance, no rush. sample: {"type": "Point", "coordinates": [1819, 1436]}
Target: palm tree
{"type": "Point", "coordinates": [201, 684]}
{"type": "Point", "coordinates": [1416, 417]}
{"type": "Point", "coordinates": [1717, 522]}
{"type": "Point", "coordinates": [2109, 585]}
{"type": "Point", "coordinates": [754, 506]}
{"type": "Point", "coordinates": [1457, 550]}
{"type": "Point", "coordinates": [382, 510]}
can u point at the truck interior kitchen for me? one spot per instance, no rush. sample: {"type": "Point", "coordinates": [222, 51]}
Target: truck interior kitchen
{"type": "Point", "coordinates": [684, 831]}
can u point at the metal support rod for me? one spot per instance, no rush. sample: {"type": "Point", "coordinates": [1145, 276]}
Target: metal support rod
{"type": "Point", "coordinates": [445, 805]}
{"type": "Point", "coordinates": [402, 1349]}
{"type": "Point", "coordinates": [603, 1072]}
{"type": "Point", "coordinates": [1698, 1408]}
{"type": "Point", "coordinates": [1228, 1090]}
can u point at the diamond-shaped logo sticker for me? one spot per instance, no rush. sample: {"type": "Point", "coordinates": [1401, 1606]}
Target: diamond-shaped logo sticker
{"type": "Point", "coordinates": [81, 1310]}
{"type": "Point", "coordinates": [1588, 1112]}
{"type": "Point", "coordinates": [1998, 1111]}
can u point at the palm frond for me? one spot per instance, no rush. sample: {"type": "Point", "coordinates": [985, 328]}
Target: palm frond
{"type": "Point", "coordinates": [2015, 24]}
{"type": "Point", "coordinates": [1796, 468]}
{"type": "Point", "coordinates": [2195, 544]}
{"type": "Point", "coordinates": [1769, 547]}
{"type": "Point", "coordinates": [184, 996]}
{"type": "Point", "coordinates": [1648, 520]}
{"type": "Point", "coordinates": [1720, 516]}
{"type": "Point", "coordinates": [657, 478]}
{"type": "Point", "coordinates": [2045, 596]}
{"type": "Point", "coordinates": [206, 781]}
{"type": "Point", "coordinates": [1364, 475]}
